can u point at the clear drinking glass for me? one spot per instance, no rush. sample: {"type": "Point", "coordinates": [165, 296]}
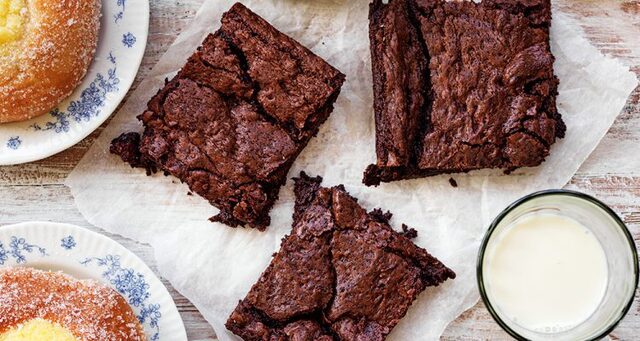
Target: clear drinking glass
{"type": "Point", "coordinates": [618, 245]}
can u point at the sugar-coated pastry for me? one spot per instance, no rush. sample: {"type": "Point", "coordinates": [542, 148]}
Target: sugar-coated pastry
{"type": "Point", "coordinates": [46, 47]}
{"type": "Point", "coordinates": [40, 305]}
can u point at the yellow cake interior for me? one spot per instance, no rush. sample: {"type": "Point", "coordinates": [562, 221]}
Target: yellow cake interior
{"type": "Point", "coordinates": [38, 330]}
{"type": "Point", "coordinates": [12, 20]}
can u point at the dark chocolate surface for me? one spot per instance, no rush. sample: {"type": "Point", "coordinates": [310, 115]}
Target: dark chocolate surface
{"type": "Point", "coordinates": [237, 115]}
{"type": "Point", "coordinates": [342, 274]}
{"type": "Point", "coordinates": [460, 86]}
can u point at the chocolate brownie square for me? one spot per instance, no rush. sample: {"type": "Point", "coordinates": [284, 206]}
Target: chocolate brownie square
{"type": "Point", "coordinates": [342, 274]}
{"type": "Point", "coordinates": [460, 85]}
{"type": "Point", "coordinates": [233, 120]}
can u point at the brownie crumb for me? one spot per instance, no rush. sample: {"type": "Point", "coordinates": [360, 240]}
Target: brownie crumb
{"type": "Point", "coordinates": [453, 182]}
{"type": "Point", "coordinates": [381, 216]}
{"type": "Point", "coordinates": [409, 232]}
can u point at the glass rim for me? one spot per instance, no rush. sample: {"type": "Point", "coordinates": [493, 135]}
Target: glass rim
{"type": "Point", "coordinates": [554, 192]}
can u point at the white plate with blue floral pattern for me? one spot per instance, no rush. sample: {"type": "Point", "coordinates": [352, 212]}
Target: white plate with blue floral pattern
{"type": "Point", "coordinates": [88, 255]}
{"type": "Point", "coordinates": [123, 37]}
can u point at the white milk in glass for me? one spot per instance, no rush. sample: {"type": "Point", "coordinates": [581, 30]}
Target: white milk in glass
{"type": "Point", "coordinates": [546, 273]}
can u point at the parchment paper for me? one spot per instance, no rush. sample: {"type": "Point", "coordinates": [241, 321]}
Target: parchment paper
{"type": "Point", "coordinates": [214, 265]}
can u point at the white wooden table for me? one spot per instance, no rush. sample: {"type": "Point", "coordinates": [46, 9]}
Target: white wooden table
{"type": "Point", "coordinates": [36, 192]}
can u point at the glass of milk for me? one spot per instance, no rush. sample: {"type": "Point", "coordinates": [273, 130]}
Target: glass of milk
{"type": "Point", "coordinates": [558, 265]}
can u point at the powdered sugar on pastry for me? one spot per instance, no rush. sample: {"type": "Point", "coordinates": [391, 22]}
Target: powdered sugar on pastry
{"type": "Point", "coordinates": [86, 308]}
{"type": "Point", "coordinates": [46, 47]}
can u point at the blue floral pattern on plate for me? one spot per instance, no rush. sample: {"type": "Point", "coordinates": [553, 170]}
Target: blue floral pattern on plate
{"type": "Point", "coordinates": [89, 105]}
{"type": "Point", "coordinates": [128, 39]}
{"type": "Point", "coordinates": [118, 16]}
{"type": "Point", "coordinates": [17, 249]}
{"type": "Point", "coordinates": [68, 242]}
{"type": "Point", "coordinates": [14, 142]}
{"type": "Point", "coordinates": [133, 286]}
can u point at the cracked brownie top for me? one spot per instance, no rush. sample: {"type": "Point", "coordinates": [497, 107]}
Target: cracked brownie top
{"type": "Point", "coordinates": [233, 120]}
{"type": "Point", "coordinates": [342, 274]}
{"type": "Point", "coordinates": [460, 86]}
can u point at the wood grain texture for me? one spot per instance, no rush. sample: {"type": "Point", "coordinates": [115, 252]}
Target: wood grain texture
{"type": "Point", "coordinates": [36, 192]}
